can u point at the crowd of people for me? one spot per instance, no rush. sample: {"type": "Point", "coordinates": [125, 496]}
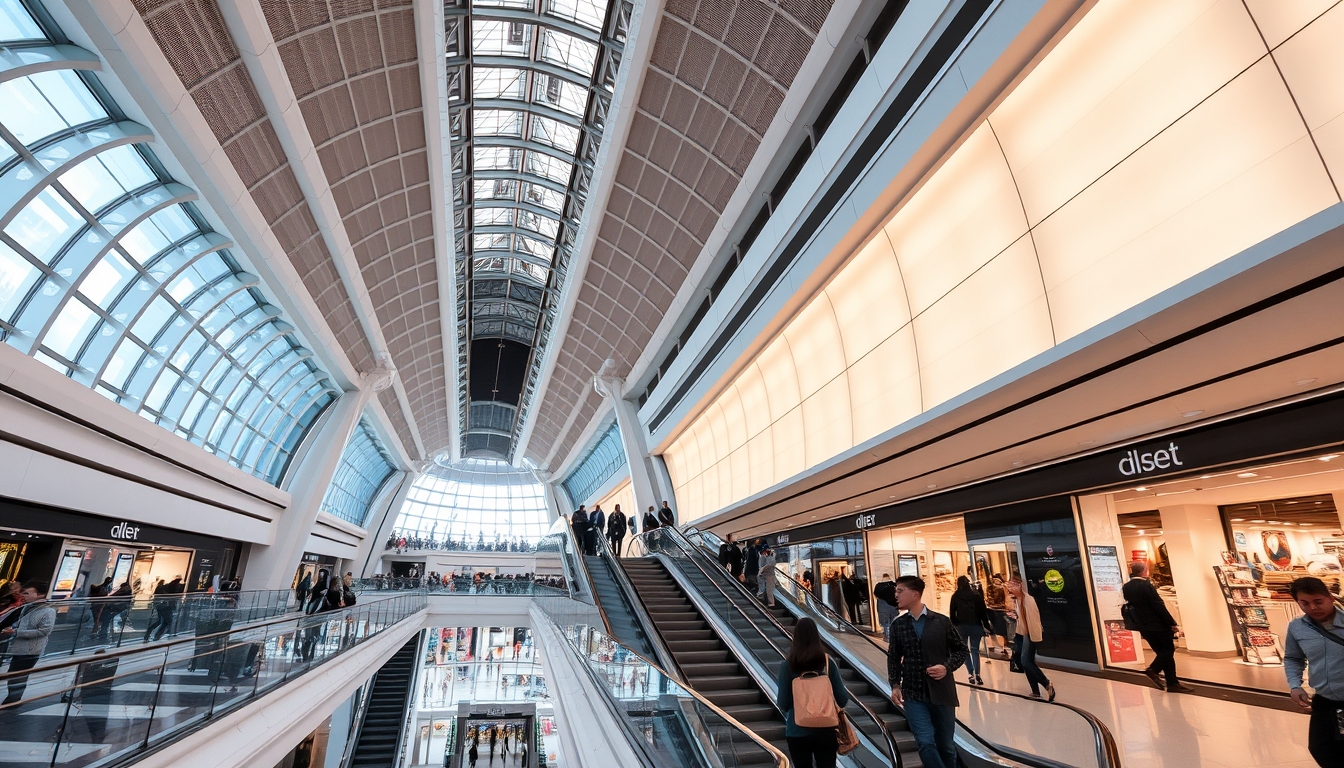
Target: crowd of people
{"type": "Point", "coordinates": [328, 592]}
{"type": "Point", "coordinates": [402, 542]}
{"type": "Point", "coordinates": [590, 526]}
{"type": "Point", "coordinates": [478, 582]}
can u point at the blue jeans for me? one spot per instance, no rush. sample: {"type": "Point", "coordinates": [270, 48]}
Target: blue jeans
{"type": "Point", "coordinates": [972, 634]}
{"type": "Point", "coordinates": [885, 615]}
{"type": "Point", "coordinates": [934, 726]}
{"type": "Point", "coordinates": [1026, 652]}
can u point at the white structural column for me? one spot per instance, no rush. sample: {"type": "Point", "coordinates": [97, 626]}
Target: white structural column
{"type": "Point", "coordinates": [636, 448]}
{"type": "Point", "coordinates": [1193, 532]}
{"type": "Point", "coordinates": [271, 567]}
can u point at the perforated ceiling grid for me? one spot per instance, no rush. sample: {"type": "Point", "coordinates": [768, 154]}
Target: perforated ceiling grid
{"type": "Point", "coordinates": [195, 41]}
{"type": "Point", "coordinates": [353, 67]}
{"type": "Point", "coordinates": [718, 74]}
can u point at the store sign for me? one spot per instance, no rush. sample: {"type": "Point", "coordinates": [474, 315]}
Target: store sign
{"type": "Point", "coordinates": [865, 521]}
{"type": "Point", "coordinates": [126, 532]}
{"type": "Point", "coordinates": [1135, 463]}
{"type": "Point", "coordinates": [782, 538]}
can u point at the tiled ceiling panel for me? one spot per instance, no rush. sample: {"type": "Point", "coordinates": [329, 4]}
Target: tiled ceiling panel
{"type": "Point", "coordinates": [195, 41]}
{"type": "Point", "coordinates": [718, 74]}
{"type": "Point", "coordinates": [353, 67]}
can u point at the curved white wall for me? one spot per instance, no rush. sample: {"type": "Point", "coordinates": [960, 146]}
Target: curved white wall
{"type": "Point", "coordinates": [1156, 140]}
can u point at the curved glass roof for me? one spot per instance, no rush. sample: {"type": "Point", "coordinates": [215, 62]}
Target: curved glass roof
{"type": "Point", "coordinates": [364, 469]}
{"type": "Point", "coordinates": [529, 88]}
{"type": "Point", "coordinates": [604, 459]}
{"type": "Point", "coordinates": [475, 501]}
{"type": "Point", "coordinates": [110, 275]}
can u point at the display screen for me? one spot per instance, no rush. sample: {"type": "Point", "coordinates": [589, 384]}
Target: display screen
{"type": "Point", "coordinates": [907, 565]}
{"type": "Point", "coordinates": [69, 571]}
{"type": "Point", "coordinates": [123, 570]}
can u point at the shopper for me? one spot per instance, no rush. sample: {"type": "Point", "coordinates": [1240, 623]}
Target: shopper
{"type": "Point", "coordinates": [598, 518]}
{"type": "Point", "coordinates": [1315, 641]}
{"type": "Point", "coordinates": [925, 650]}
{"type": "Point", "coordinates": [29, 636]}
{"type": "Point", "coordinates": [617, 524]}
{"type": "Point", "coordinates": [301, 591]}
{"type": "Point", "coordinates": [766, 575]}
{"type": "Point", "coordinates": [807, 660]}
{"type": "Point", "coordinates": [166, 599]}
{"type": "Point", "coordinates": [318, 591]}
{"type": "Point", "coordinates": [752, 569]}
{"type": "Point", "coordinates": [885, 592]}
{"type": "Point", "coordinates": [1030, 633]}
{"type": "Point", "coordinates": [996, 602]}
{"type": "Point", "coordinates": [834, 583]}
{"type": "Point", "coordinates": [854, 597]}
{"type": "Point", "coordinates": [970, 617]}
{"type": "Point", "coordinates": [730, 556]}
{"type": "Point", "coordinates": [1148, 615]}
{"type": "Point", "coordinates": [665, 516]}
{"type": "Point", "coordinates": [582, 527]}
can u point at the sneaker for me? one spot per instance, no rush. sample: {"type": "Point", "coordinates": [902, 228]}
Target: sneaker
{"type": "Point", "coordinates": [1157, 681]}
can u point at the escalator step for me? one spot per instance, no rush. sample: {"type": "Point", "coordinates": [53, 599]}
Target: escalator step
{"type": "Point", "coordinates": [723, 683]}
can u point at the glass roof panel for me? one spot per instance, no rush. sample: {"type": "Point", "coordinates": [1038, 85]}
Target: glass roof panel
{"type": "Point", "coordinates": [497, 122]}
{"type": "Point", "coordinates": [498, 83]}
{"type": "Point", "coordinates": [543, 196]}
{"type": "Point", "coordinates": [569, 52]}
{"type": "Point", "coordinates": [496, 158]}
{"type": "Point", "coordinates": [491, 37]}
{"type": "Point", "coordinates": [554, 134]}
{"type": "Point", "coordinates": [561, 94]}
{"type": "Point", "coordinates": [549, 167]}
{"type": "Point", "coordinates": [589, 13]}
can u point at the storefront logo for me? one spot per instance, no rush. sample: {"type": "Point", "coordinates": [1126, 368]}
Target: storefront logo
{"type": "Point", "coordinates": [1054, 581]}
{"type": "Point", "coordinates": [1135, 463]}
{"type": "Point", "coordinates": [126, 531]}
{"type": "Point", "coordinates": [865, 521]}
{"type": "Point", "coordinates": [782, 538]}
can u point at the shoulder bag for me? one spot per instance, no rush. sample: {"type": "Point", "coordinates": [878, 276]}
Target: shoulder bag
{"type": "Point", "coordinates": [845, 739]}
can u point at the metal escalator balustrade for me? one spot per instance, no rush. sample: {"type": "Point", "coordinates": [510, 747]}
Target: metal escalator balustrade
{"type": "Point", "coordinates": [1016, 726]}
{"type": "Point", "coordinates": [762, 638]}
{"type": "Point", "coordinates": [378, 737]}
{"type": "Point", "coordinates": [670, 725]}
{"type": "Point", "coordinates": [110, 708]}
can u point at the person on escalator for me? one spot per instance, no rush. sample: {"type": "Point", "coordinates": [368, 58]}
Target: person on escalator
{"type": "Point", "coordinates": [970, 617]}
{"type": "Point", "coordinates": [885, 592]}
{"type": "Point", "coordinates": [579, 521]}
{"type": "Point", "coordinates": [616, 528]}
{"type": "Point", "coordinates": [730, 556]}
{"type": "Point", "coordinates": [665, 516]}
{"type": "Point", "coordinates": [810, 716]}
{"type": "Point", "coordinates": [925, 650]}
{"type": "Point", "coordinates": [766, 576]}
{"type": "Point", "coordinates": [598, 518]}
{"type": "Point", "coordinates": [753, 565]}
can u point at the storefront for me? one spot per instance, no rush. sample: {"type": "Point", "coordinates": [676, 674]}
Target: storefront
{"type": "Point", "coordinates": [1225, 515]}
{"type": "Point", "coordinates": [837, 570]}
{"type": "Point", "coordinates": [310, 565]}
{"type": "Point", "coordinates": [74, 552]}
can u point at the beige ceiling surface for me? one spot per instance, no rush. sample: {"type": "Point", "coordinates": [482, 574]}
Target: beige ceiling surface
{"type": "Point", "coordinates": [718, 74]}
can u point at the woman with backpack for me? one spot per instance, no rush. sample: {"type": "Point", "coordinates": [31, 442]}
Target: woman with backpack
{"type": "Point", "coordinates": [811, 695]}
{"type": "Point", "coordinates": [970, 617]}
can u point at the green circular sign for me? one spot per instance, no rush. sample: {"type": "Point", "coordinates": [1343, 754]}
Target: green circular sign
{"type": "Point", "coordinates": [1054, 580]}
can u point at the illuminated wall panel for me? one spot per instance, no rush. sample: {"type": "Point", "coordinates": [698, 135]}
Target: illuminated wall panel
{"type": "Point", "coordinates": [1157, 139]}
{"type": "Point", "coordinates": [624, 495]}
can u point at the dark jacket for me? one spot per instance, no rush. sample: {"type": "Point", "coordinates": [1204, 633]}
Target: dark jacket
{"type": "Point", "coordinates": [967, 609]}
{"type": "Point", "coordinates": [665, 516]}
{"type": "Point", "coordinates": [851, 591]}
{"type": "Point", "coordinates": [650, 522]}
{"type": "Point", "coordinates": [910, 655]}
{"type": "Point", "coordinates": [730, 557]}
{"type": "Point", "coordinates": [753, 560]}
{"type": "Point", "coordinates": [616, 524]}
{"type": "Point", "coordinates": [1146, 607]}
{"type": "Point", "coordinates": [784, 697]}
{"type": "Point", "coordinates": [599, 520]}
{"type": "Point", "coordinates": [886, 592]}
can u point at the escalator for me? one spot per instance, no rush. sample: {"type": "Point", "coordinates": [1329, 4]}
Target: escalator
{"type": "Point", "coordinates": [707, 663]}
{"type": "Point", "coordinates": [619, 614]}
{"type": "Point", "coordinates": [390, 693]}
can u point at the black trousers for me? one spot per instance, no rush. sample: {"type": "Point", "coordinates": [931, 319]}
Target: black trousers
{"type": "Point", "coordinates": [809, 751]}
{"type": "Point", "coordinates": [1323, 739]}
{"type": "Point", "coordinates": [616, 542]}
{"type": "Point", "coordinates": [1164, 652]}
{"type": "Point", "coordinates": [17, 685]}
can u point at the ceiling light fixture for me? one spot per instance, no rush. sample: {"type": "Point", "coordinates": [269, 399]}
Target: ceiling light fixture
{"type": "Point", "coordinates": [931, 485]}
{"type": "Point", "coordinates": [1141, 488]}
{"type": "Point", "coordinates": [1258, 522]}
{"type": "Point", "coordinates": [1238, 519]}
{"type": "Point", "coordinates": [1143, 533]}
{"type": "Point", "coordinates": [1088, 442]}
{"type": "Point", "coordinates": [1017, 463]}
{"type": "Point", "coordinates": [1247, 474]}
{"type": "Point", "coordinates": [1191, 414]}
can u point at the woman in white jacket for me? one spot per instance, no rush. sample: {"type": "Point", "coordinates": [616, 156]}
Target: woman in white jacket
{"type": "Point", "coordinates": [767, 575]}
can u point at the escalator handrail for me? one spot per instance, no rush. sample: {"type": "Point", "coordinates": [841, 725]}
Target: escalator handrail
{"type": "Point", "coordinates": [1108, 752]}
{"type": "Point", "coordinates": [357, 727]}
{"type": "Point", "coordinates": [641, 612]}
{"type": "Point", "coordinates": [781, 760]}
{"type": "Point", "coordinates": [570, 577]}
{"type": "Point", "coordinates": [685, 545]}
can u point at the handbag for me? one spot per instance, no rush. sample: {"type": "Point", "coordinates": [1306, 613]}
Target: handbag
{"type": "Point", "coordinates": [845, 739]}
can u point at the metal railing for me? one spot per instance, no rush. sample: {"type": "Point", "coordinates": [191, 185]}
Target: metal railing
{"type": "Point", "coordinates": [875, 739]}
{"type": "Point", "coordinates": [997, 733]}
{"type": "Point", "coordinates": [640, 611]}
{"type": "Point", "coordinates": [671, 726]}
{"type": "Point", "coordinates": [85, 624]}
{"type": "Point", "coordinates": [460, 586]}
{"type": "Point", "coordinates": [108, 708]}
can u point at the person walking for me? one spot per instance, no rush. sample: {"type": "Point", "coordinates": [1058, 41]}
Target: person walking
{"type": "Point", "coordinates": [598, 518]}
{"type": "Point", "coordinates": [925, 650]}
{"type": "Point", "coordinates": [996, 602]}
{"type": "Point", "coordinates": [473, 754]}
{"type": "Point", "coordinates": [165, 607]}
{"type": "Point", "coordinates": [29, 636]}
{"type": "Point", "coordinates": [617, 525]}
{"type": "Point", "coordinates": [665, 516]}
{"type": "Point", "coordinates": [970, 617]}
{"type": "Point", "coordinates": [809, 747]}
{"type": "Point", "coordinates": [730, 556]}
{"type": "Point", "coordinates": [1029, 635]}
{"type": "Point", "coordinates": [301, 591]}
{"type": "Point", "coordinates": [752, 567]}
{"type": "Point", "coordinates": [849, 587]}
{"type": "Point", "coordinates": [766, 576]}
{"type": "Point", "coordinates": [885, 592]}
{"type": "Point", "coordinates": [835, 593]}
{"type": "Point", "coordinates": [318, 591]}
{"type": "Point", "coordinates": [1148, 615]}
{"type": "Point", "coordinates": [582, 526]}
{"type": "Point", "coordinates": [1314, 643]}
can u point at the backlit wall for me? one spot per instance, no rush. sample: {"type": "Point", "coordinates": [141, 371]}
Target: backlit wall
{"type": "Point", "coordinates": [1159, 138]}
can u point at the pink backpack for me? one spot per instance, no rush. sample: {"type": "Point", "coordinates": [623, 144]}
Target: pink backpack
{"type": "Point", "coordinates": [814, 701]}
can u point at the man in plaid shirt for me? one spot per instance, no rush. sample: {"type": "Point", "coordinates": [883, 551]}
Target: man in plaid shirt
{"type": "Point", "coordinates": [925, 650]}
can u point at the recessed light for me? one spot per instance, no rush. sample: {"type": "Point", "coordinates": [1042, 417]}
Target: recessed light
{"type": "Point", "coordinates": [1143, 533]}
{"type": "Point", "coordinates": [1141, 488]}
{"type": "Point", "coordinates": [1238, 519]}
{"type": "Point", "coordinates": [1247, 474]}
{"type": "Point", "coordinates": [1129, 525]}
{"type": "Point", "coordinates": [931, 485]}
{"type": "Point", "coordinates": [814, 517]}
{"type": "Point", "coordinates": [1258, 521]}
{"type": "Point", "coordinates": [1304, 524]}
{"type": "Point", "coordinates": [858, 506]}
{"type": "Point", "coordinates": [891, 497]}
{"type": "Point", "coordinates": [1206, 477]}
{"type": "Point", "coordinates": [1191, 414]}
{"type": "Point", "coordinates": [1088, 442]}
{"type": "Point", "coordinates": [1017, 463]}
{"type": "Point", "coordinates": [1328, 458]}
{"type": "Point", "coordinates": [1303, 382]}
{"type": "Point", "coordinates": [1287, 523]}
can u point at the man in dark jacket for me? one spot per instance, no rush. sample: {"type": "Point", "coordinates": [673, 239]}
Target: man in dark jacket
{"type": "Point", "coordinates": [665, 515]}
{"type": "Point", "coordinates": [579, 520]}
{"type": "Point", "coordinates": [925, 650]}
{"type": "Point", "coordinates": [753, 563]}
{"type": "Point", "coordinates": [598, 518]}
{"type": "Point", "coordinates": [616, 528]}
{"type": "Point", "coordinates": [730, 556]}
{"type": "Point", "coordinates": [1149, 615]}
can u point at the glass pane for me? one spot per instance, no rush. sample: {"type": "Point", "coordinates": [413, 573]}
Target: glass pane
{"type": "Point", "coordinates": [17, 277]}
{"type": "Point", "coordinates": [156, 316]}
{"type": "Point", "coordinates": [106, 176]}
{"type": "Point", "coordinates": [45, 225]}
{"type": "Point", "coordinates": [16, 24]}
{"type": "Point", "coordinates": [70, 329]}
{"type": "Point", "coordinates": [106, 280]}
{"type": "Point", "coordinates": [498, 83]}
{"type": "Point", "coordinates": [568, 52]}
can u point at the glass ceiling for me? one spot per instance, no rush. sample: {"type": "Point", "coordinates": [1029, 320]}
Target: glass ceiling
{"type": "Point", "coordinates": [475, 501]}
{"type": "Point", "coordinates": [529, 87]}
{"type": "Point", "coordinates": [110, 275]}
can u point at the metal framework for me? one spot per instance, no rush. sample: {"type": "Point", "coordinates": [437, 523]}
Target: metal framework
{"type": "Point", "coordinates": [530, 84]}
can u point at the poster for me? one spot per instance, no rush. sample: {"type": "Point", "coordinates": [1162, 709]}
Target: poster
{"type": "Point", "coordinates": [907, 565]}
{"type": "Point", "coordinates": [65, 577]}
{"type": "Point", "coordinates": [1106, 573]}
{"type": "Point", "coordinates": [1120, 645]}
